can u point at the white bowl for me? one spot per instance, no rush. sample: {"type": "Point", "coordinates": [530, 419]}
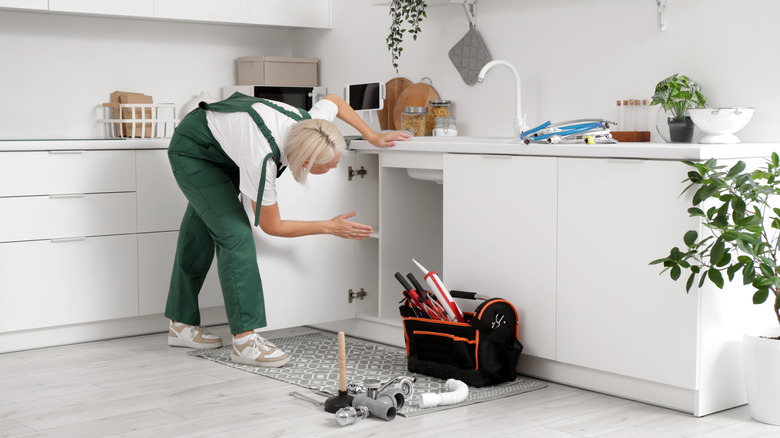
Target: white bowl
{"type": "Point", "coordinates": [720, 124]}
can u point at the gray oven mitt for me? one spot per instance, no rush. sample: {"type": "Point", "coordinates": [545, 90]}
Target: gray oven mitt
{"type": "Point", "coordinates": [469, 55]}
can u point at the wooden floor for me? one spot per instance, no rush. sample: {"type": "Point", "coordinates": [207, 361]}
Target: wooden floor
{"type": "Point", "coordinates": [140, 387]}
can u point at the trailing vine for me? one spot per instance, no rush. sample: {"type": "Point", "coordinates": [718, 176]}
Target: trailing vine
{"type": "Point", "coordinates": [404, 12]}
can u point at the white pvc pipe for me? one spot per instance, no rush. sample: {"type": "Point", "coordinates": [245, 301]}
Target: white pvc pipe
{"type": "Point", "coordinates": [458, 392]}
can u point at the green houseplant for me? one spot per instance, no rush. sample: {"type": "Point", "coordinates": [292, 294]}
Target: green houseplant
{"type": "Point", "coordinates": [738, 209]}
{"type": "Point", "coordinates": [676, 94]}
{"type": "Point", "coordinates": [404, 12]}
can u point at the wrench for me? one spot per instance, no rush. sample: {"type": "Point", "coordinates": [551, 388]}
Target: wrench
{"type": "Point", "coordinates": [307, 398]}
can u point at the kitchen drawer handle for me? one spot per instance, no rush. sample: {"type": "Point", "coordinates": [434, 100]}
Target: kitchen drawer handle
{"type": "Point", "coordinates": [625, 160]}
{"type": "Point", "coordinates": [65, 152]}
{"type": "Point", "coordinates": [68, 195]}
{"type": "Point", "coordinates": [68, 239]}
{"type": "Point", "coordinates": [499, 156]}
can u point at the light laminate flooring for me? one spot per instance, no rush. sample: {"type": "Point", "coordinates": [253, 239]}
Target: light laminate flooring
{"type": "Point", "coordinates": [140, 387]}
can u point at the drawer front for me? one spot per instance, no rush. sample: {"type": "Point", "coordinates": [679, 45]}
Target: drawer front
{"type": "Point", "coordinates": [63, 172]}
{"type": "Point", "coordinates": [50, 283]}
{"type": "Point", "coordinates": [65, 216]}
{"type": "Point", "coordinates": [161, 203]}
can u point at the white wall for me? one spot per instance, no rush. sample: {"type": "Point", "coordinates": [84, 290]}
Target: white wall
{"type": "Point", "coordinates": [55, 69]}
{"type": "Point", "coordinates": [575, 57]}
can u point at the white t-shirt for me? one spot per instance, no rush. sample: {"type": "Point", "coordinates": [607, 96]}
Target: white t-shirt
{"type": "Point", "coordinates": [243, 142]}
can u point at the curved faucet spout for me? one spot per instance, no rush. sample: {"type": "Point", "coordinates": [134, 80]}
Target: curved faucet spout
{"type": "Point", "coordinates": [519, 125]}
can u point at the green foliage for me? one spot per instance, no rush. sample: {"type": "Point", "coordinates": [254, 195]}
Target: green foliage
{"type": "Point", "coordinates": [677, 94]}
{"type": "Point", "coordinates": [743, 229]}
{"type": "Point", "coordinates": [404, 12]}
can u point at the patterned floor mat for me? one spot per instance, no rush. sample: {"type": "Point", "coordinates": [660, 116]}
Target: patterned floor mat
{"type": "Point", "coordinates": [315, 366]}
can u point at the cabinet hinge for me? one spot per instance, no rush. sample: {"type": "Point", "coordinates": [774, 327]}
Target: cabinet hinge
{"type": "Point", "coordinates": [352, 172]}
{"type": "Point", "coordinates": [359, 294]}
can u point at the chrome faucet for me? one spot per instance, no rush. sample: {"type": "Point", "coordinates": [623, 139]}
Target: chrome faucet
{"type": "Point", "coordinates": [519, 125]}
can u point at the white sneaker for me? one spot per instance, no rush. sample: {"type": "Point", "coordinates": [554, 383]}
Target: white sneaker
{"type": "Point", "coordinates": [192, 336]}
{"type": "Point", "coordinates": [257, 351]}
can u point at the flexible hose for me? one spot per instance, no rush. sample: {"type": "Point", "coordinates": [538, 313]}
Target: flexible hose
{"type": "Point", "coordinates": [458, 392]}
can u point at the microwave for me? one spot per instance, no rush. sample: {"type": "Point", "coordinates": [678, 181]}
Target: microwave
{"type": "Point", "coordinates": [299, 97]}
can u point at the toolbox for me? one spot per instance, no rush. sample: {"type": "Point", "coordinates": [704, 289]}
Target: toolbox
{"type": "Point", "coordinates": [483, 350]}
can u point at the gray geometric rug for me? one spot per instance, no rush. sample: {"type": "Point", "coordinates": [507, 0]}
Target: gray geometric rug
{"type": "Point", "coordinates": [315, 366]}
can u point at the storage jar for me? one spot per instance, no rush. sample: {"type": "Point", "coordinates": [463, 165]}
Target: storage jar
{"type": "Point", "coordinates": [414, 120]}
{"type": "Point", "coordinates": [445, 127]}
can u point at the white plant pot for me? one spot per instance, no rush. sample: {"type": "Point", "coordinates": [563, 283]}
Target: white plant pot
{"type": "Point", "coordinates": [761, 358]}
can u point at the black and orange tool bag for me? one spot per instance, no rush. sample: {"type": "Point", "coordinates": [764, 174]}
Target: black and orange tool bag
{"type": "Point", "coordinates": [481, 351]}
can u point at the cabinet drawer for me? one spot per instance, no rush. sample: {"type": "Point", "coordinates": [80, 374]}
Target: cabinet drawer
{"type": "Point", "coordinates": [62, 216]}
{"type": "Point", "coordinates": [62, 172]}
{"type": "Point", "coordinates": [161, 203]}
{"type": "Point", "coordinates": [48, 283]}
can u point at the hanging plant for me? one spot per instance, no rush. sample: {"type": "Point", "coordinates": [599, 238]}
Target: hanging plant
{"type": "Point", "coordinates": [404, 12]}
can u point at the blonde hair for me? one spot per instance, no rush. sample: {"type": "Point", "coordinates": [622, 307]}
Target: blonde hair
{"type": "Point", "coordinates": [314, 140]}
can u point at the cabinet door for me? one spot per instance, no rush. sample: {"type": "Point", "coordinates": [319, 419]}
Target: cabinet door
{"type": "Point", "coordinates": [225, 11]}
{"type": "Point", "coordinates": [155, 261]}
{"type": "Point", "coordinates": [499, 237]}
{"type": "Point", "coordinates": [25, 4]}
{"type": "Point", "coordinates": [51, 283]}
{"type": "Point", "coordinates": [306, 279]}
{"type": "Point", "coordinates": [293, 13]}
{"type": "Point", "coordinates": [161, 203]}
{"type": "Point", "coordinates": [615, 312]}
{"type": "Point", "coordinates": [130, 8]}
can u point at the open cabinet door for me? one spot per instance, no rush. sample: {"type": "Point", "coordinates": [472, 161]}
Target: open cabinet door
{"type": "Point", "coordinates": [306, 280]}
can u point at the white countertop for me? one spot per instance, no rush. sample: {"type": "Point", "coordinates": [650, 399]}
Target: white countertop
{"type": "Point", "coordinates": [505, 146]}
{"type": "Point", "coordinates": [83, 144]}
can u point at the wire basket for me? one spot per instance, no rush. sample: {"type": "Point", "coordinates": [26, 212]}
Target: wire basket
{"type": "Point", "coordinates": [138, 120]}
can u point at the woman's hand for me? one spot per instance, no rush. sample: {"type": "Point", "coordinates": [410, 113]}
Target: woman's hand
{"type": "Point", "coordinates": [388, 138]}
{"type": "Point", "coordinates": [341, 226]}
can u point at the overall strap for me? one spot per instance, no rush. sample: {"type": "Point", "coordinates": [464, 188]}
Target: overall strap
{"type": "Point", "coordinates": [240, 102]}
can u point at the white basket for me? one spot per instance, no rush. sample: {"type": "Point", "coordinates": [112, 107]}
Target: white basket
{"type": "Point", "coordinates": [138, 120]}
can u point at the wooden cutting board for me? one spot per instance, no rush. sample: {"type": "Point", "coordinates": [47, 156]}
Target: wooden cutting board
{"type": "Point", "coordinates": [415, 95]}
{"type": "Point", "coordinates": [393, 89]}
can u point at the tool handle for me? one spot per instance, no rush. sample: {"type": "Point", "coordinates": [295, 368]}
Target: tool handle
{"type": "Point", "coordinates": [463, 294]}
{"type": "Point", "coordinates": [342, 363]}
{"type": "Point", "coordinates": [415, 283]}
{"type": "Point", "coordinates": [402, 280]}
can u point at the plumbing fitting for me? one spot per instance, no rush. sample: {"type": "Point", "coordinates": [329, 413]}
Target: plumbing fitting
{"type": "Point", "coordinates": [458, 392]}
{"type": "Point", "coordinates": [384, 406]}
{"type": "Point", "coordinates": [349, 415]}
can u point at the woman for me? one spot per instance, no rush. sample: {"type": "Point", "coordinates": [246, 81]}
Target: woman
{"type": "Point", "coordinates": [242, 144]}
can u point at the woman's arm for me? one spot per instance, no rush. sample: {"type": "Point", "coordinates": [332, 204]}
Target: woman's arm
{"type": "Point", "coordinates": [378, 139]}
{"type": "Point", "coordinates": [340, 226]}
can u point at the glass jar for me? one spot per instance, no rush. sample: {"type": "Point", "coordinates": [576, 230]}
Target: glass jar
{"type": "Point", "coordinates": [439, 108]}
{"type": "Point", "coordinates": [414, 120]}
{"type": "Point", "coordinates": [445, 127]}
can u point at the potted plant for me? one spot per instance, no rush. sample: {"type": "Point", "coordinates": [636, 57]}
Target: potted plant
{"type": "Point", "coordinates": [403, 12]}
{"type": "Point", "coordinates": [677, 94]}
{"type": "Point", "coordinates": [742, 241]}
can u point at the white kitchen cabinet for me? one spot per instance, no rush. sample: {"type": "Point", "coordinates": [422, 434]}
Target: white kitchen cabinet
{"type": "Point", "coordinates": [46, 283]}
{"type": "Point", "coordinates": [155, 263]}
{"type": "Point", "coordinates": [500, 237]}
{"type": "Point", "coordinates": [307, 280]}
{"type": "Point", "coordinates": [61, 216]}
{"type": "Point", "coordinates": [161, 203]}
{"type": "Point", "coordinates": [615, 312]}
{"type": "Point", "coordinates": [288, 13]}
{"type": "Point", "coordinates": [126, 8]}
{"type": "Point", "coordinates": [160, 209]}
{"type": "Point", "coordinates": [66, 172]}
{"type": "Point", "coordinates": [40, 5]}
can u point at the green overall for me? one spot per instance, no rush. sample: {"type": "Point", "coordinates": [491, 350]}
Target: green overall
{"type": "Point", "coordinates": [215, 218]}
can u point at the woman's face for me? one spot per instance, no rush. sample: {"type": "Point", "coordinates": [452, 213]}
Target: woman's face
{"type": "Point", "coordinates": [319, 169]}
